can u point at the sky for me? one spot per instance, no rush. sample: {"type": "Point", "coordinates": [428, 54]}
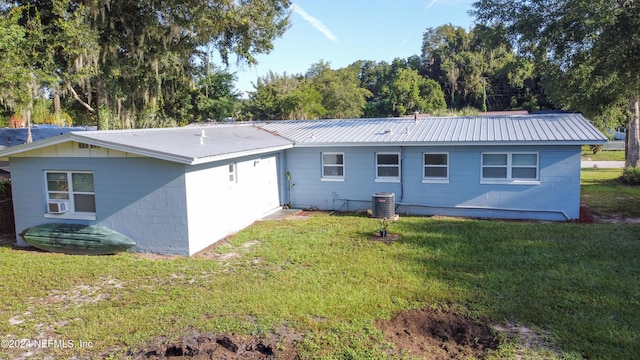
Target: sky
{"type": "Point", "coordinates": [341, 32]}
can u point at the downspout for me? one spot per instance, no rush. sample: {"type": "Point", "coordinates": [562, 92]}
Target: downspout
{"type": "Point", "coordinates": [401, 173]}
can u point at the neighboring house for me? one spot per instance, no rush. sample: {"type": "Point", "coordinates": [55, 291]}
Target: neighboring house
{"type": "Point", "coordinates": [175, 191]}
{"type": "Point", "coordinates": [16, 136]}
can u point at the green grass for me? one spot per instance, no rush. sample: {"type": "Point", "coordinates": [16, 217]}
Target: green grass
{"type": "Point", "coordinates": [606, 195]}
{"type": "Point", "coordinates": [603, 155]}
{"type": "Point", "coordinates": [576, 283]}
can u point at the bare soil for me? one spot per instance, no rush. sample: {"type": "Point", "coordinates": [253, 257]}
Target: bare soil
{"type": "Point", "coordinates": [426, 333]}
{"type": "Point", "coordinates": [439, 335]}
{"type": "Point", "coordinates": [278, 345]}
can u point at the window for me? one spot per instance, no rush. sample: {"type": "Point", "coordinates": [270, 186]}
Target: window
{"type": "Point", "coordinates": [436, 167]}
{"type": "Point", "coordinates": [333, 166]}
{"type": "Point", "coordinates": [513, 167]}
{"type": "Point", "coordinates": [76, 188]}
{"type": "Point", "coordinates": [388, 167]}
{"type": "Point", "coordinates": [233, 176]}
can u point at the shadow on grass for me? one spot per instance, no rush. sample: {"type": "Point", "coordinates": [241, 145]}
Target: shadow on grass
{"type": "Point", "coordinates": [578, 282]}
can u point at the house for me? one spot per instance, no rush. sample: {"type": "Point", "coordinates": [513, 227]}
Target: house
{"type": "Point", "coordinates": [173, 191]}
{"type": "Point", "coordinates": [176, 191]}
{"type": "Point", "coordinates": [514, 167]}
{"type": "Point", "coordinates": [16, 136]}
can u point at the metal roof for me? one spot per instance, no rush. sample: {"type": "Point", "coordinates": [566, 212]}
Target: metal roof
{"type": "Point", "coordinates": [554, 129]}
{"type": "Point", "coordinates": [191, 145]}
{"type": "Point", "coordinates": [12, 137]}
{"type": "Point", "coordinates": [194, 145]}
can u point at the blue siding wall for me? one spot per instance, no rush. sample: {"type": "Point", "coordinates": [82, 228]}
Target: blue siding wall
{"type": "Point", "coordinates": [140, 197]}
{"type": "Point", "coordinates": [556, 197]}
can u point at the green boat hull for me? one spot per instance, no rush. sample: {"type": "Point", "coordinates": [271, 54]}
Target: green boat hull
{"type": "Point", "coordinates": [77, 239]}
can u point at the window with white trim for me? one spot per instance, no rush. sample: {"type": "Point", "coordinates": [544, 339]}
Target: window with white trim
{"type": "Point", "coordinates": [332, 166]}
{"type": "Point", "coordinates": [436, 167]}
{"type": "Point", "coordinates": [510, 167]}
{"type": "Point", "coordinates": [233, 173]}
{"type": "Point", "coordinates": [388, 166]}
{"type": "Point", "coordinates": [72, 187]}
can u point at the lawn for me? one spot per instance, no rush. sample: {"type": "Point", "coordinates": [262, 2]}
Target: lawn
{"type": "Point", "coordinates": [603, 155]}
{"type": "Point", "coordinates": [576, 285]}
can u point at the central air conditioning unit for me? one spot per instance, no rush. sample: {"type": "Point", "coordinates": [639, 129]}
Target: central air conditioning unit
{"type": "Point", "coordinates": [57, 207]}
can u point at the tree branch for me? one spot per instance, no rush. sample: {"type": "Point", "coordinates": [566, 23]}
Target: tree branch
{"type": "Point", "coordinates": [77, 97]}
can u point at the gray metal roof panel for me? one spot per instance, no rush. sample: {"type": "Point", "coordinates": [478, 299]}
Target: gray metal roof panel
{"type": "Point", "coordinates": [183, 145]}
{"type": "Point", "coordinates": [556, 128]}
{"type": "Point", "coordinates": [189, 145]}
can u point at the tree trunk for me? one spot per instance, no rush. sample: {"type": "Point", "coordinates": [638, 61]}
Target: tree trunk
{"type": "Point", "coordinates": [98, 98]}
{"type": "Point", "coordinates": [633, 136]}
{"type": "Point", "coordinates": [56, 104]}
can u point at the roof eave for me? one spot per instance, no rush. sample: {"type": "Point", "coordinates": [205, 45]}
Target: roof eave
{"type": "Point", "coordinates": [233, 155]}
{"type": "Point", "coordinates": [454, 143]}
{"type": "Point", "coordinates": [7, 152]}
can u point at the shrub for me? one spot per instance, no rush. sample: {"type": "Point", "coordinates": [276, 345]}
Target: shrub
{"type": "Point", "coordinates": [595, 148]}
{"type": "Point", "coordinates": [632, 175]}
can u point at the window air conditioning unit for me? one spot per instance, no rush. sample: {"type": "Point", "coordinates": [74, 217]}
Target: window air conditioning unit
{"type": "Point", "coordinates": [58, 207]}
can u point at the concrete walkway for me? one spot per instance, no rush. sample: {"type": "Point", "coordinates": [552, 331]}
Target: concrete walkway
{"type": "Point", "coordinates": [602, 164]}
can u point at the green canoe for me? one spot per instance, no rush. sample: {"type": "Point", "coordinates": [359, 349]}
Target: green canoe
{"type": "Point", "coordinates": [77, 239]}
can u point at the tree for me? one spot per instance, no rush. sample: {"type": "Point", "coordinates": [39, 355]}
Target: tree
{"type": "Point", "coordinates": [479, 69]}
{"type": "Point", "coordinates": [408, 92]}
{"type": "Point", "coordinates": [132, 63]}
{"type": "Point", "coordinates": [593, 43]}
{"type": "Point", "coordinates": [342, 96]}
{"type": "Point", "coordinates": [284, 97]}
{"type": "Point", "coordinates": [215, 94]}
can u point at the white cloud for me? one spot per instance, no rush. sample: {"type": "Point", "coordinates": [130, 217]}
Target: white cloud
{"type": "Point", "coordinates": [430, 5]}
{"type": "Point", "coordinates": [317, 24]}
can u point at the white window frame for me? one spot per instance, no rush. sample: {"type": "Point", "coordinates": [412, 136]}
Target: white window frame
{"type": "Point", "coordinates": [434, 179]}
{"type": "Point", "coordinates": [509, 179]}
{"type": "Point", "coordinates": [233, 173]}
{"type": "Point", "coordinates": [325, 177]}
{"type": "Point", "coordinates": [72, 213]}
{"type": "Point", "coordinates": [398, 165]}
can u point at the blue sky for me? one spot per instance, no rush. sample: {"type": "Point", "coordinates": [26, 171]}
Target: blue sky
{"type": "Point", "coordinates": [343, 31]}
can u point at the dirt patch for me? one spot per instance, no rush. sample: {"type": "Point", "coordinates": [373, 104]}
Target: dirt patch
{"type": "Point", "coordinates": [230, 252]}
{"type": "Point", "coordinates": [586, 215]}
{"type": "Point", "coordinates": [439, 335]}
{"type": "Point", "coordinates": [280, 344]}
{"type": "Point", "coordinates": [390, 238]}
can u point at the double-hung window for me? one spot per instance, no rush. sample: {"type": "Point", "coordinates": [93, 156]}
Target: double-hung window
{"type": "Point", "coordinates": [233, 173]}
{"type": "Point", "coordinates": [74, 190]}
{"type": "Point", "coordinates": [436, 168]}
{"type": "Point", "coordinates": [332, 166]}
{"type": "Point", "coordinates": [388, 167]}
{"type": "Point", "coordinates": [510, 167]}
